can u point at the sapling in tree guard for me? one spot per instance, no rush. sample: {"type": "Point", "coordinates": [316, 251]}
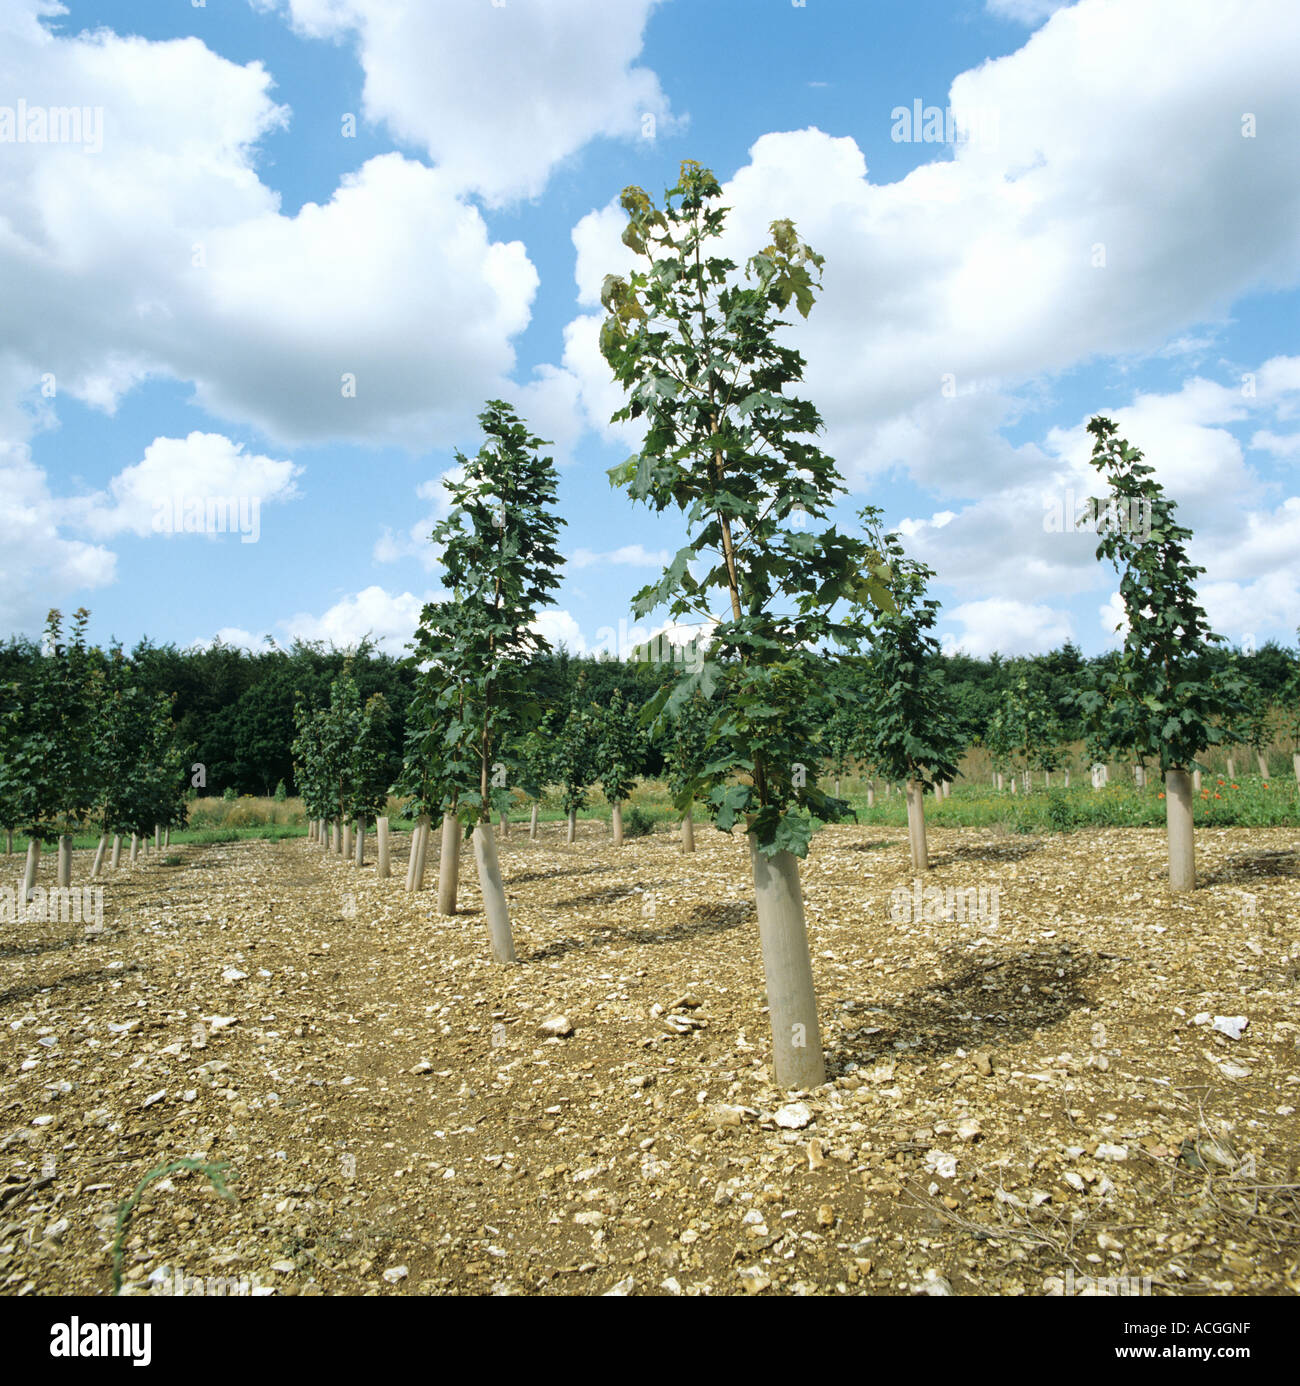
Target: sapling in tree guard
{"type": "Point", "coordinates": [1161, 700]}
{"type": "Point", "coordinates": [840, 728]}
{"type": "Point", "coordinates": [685, 756]}
{"type": "Point", "coordinates": [500, 567]}
{"type": "Point", "coordinates": [140, 767]}
{"type": "Point", "coordinates": [424, 784]}
{"type": "Point", "coordinates": [532, 754]}
{"type": "Point", "coordinates": [1023, 728]}
{"type": "Point", "coordinates": [573, 758]}
{"type": "Point", "coordinates": [619, 753]}
{"type": "Point", "coordinates": [694, 345]}
{"type": "Point", "coordinates": [1255, 724]}
{"type": "Point", "coordinates": [914, 737]}
{"type": "Point", "coordinates": [309, 769]}
{"type": "Point", "coordinates": [340, 754]}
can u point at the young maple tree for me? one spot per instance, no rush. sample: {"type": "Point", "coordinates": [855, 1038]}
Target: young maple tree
{"type": "Point", "coordinates": [914, 738]}
{"type": "Point", "coordinates": [531, 754]}
{"type": "Point", "coordinates": [1024, 730]}
{"type": "Point", "coordinates": [620, 752]}
{"type": "Point", "coordinates": [140, 767]}
{"type": "Point", "coordinates": [574, 744]}
{"type": "Point", "coordinates": [1255, 726]}
{"type": "Point", "coordinates": [685, 750]}
{"type": "Point", "coordinates": [429, 777]}
{"type": "Point", "coordinates": [479, 647]}
{"type": "Point", "coordinates": [340, 754]}
{"type": "Point", "coordinates": [695, 345]}
{"type": "Point", "coordinates": [1162, 702]}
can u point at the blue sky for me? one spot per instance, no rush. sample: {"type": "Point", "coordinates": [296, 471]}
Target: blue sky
{"type": "Point", "coordinates": [180, 307]}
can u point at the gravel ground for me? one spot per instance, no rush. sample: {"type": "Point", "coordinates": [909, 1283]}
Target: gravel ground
{"type": "Point", "coordinates": [1019, 1104]}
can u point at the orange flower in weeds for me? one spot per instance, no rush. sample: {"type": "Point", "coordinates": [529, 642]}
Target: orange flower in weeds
{"type": "Point", "coordinates": [1160, 796]}
{"type": "Point", "coordinates": [1218, 796]}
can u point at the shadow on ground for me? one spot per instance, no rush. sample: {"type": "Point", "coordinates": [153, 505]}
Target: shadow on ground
{"type": "Point", "coordinates": [72, 979]}
{"type": "Point", "coordinates": [1254, 865]}
{"type": "Point", "coordinates": [703, 921]}
{"type": "Point", "coordinates": [994, 851]}
{"type": "Point", "coordinates": [978, 1006]}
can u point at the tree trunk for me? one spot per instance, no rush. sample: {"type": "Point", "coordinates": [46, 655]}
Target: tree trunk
{"type": "Point", "coordinates": [871, 794]}
{"type": "Point", "coordinates": [1047, 779]}
{"type": "Point", "coordinates": [1232, 767]}
{"type": "Point", "coordinates": [384, 867]}
{"type": "Point", "coordinates": [797, 1061]}
{"type": "Point", "coordinates": [334, 835]}
{"type": "Point", "coordinates": [837, 786]}
{"type": "Point", "coordinates": [167, 837]}
{"type": "Point", "coordinates": [1140, 776]}
{"type": "Point", "coordinates": [688, 831]}
{"type": "Point", "coordinates": [9, 842]}
{"type": "Point", "coordinates": [311, 831]}
{"type": "Point", "coordinates": [359, 854]}
{"type": "Point", "coordinates": [1013, 784]}
{"type": "Point", "coordinates": [916, 825]}
{"type": "Point", "coordinates": [532, 823]}
{"type": "Point", "coordinates": [33, 862]}
{"type": "Point", "coordinates": [157, 836]}
{"type": "Point", "coordinates": [1001, 786]}
{"type": "Point", "coordinates": [116, 860]}
{"type": "Point", "coordinates": [494, 894]}
{"type": "Point", "coordinates": [135, 846]}
{"type": "Point", "coordinates": [99, 856]}
{"type": "Point", "coordinates": [64, 878]}
{"type": "Point", "coordinates": [1295, 765]}
{"type": "Point", "coordinates": [1178, 819]}
{"type": "Point", "coordinates": [1067, 779]}
{"type": "Point", "coordinates": [449, 865]}
{"type": "Point", "coordinates": [616, 818]}
{"type": "Point", "coordinates": [347, 841]}
{"type": "Point", "coordinates": [1196, 781]}
{"type": "Point", "coordinates": [1262, 761]}
{"type": "Point", "coordinates": [573, 826]}
{"type": "Point", "coordinates": [505, 823]}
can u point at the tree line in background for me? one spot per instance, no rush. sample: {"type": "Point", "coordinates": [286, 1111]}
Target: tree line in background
{"type": "Point", "coordinates": [234, 710]}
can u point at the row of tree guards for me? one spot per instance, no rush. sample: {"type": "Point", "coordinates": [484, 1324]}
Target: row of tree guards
{"type": "Point", "coordinates": [139, 845]}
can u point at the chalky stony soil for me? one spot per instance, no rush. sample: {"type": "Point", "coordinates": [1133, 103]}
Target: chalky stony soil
{"type": "Point", "coordinates": [1057, 1090]}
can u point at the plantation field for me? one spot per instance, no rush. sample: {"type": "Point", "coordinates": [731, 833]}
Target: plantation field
{"type": "Point", "coordinates": [1034, 1092]}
